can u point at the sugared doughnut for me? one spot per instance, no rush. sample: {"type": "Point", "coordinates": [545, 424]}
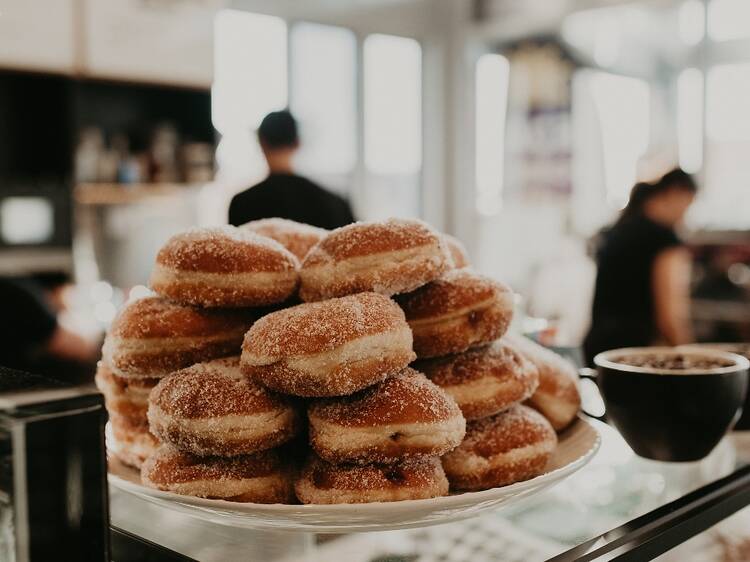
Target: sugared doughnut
{"type": "Point", "coordinates": [132, 442]}
{"type": "Point", "coordinates": [214, 409]}
{"type": "Point", "coordinates": [258, 478]}
{"type": "Point", "coordinates": [127, 397]}
{"type": "Point", "coordinates": [557, 396]}
{"type": "Point", "coordinates": [404, 416]}
{"type": "Point", "coordinates": [413, 479]}
{"type": "Point", "coordinates": [389, 257]}
{"type": "Point", "coordinates": [460, 310]}
{"type": "Point", "coordinates": [485, 380]}
{"type": "Point", "coordinates": [224, 267]}
{"type": "Point", "coordinates": [296, 237]}
{"type": "Point", "coordinates": [330, 348]}
{"type": "Point", "coordinates": [457, 251]}
{"type": "Point", "coordinates": [508, 447]}
{"type": "Point", "coordinates": [152, 337]}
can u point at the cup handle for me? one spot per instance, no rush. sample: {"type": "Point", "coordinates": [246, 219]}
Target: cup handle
{"type": "Point", "coordinates": [591, 374]}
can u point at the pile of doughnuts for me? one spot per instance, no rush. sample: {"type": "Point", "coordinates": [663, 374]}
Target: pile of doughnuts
{"type": "Point", "coordinates": [391, 380]}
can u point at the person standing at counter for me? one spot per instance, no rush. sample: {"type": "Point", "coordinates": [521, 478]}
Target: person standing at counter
{"type": "Point", "coordinates": [642, 291]}
{"type": "Point", "coordinates": [283, 193]}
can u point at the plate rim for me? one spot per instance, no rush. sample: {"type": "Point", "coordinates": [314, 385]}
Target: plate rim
{"type": "Point", "coordinates": [288, 512]}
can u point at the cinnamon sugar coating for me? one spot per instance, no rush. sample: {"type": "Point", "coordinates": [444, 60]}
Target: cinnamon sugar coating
{"type": "Point", "coordinates": [486, 380]}
{"type": "Point", "coordinates": [295, 236]}
{"type": "Point", "coordinates": [152, 337]}
{"type": "Point", "coordinates": [213, 409]}
{"type": "Point", "coordinates": [258, 478]}
{"type": "Point", "coordinates": [458, 311]}
{"type": "Point", "coordinates": [331, 348]}
{"type": "Point", "coordinates": [225, 267]}
{"type": "Point", "coordinates": [386, 257]}
{"type": "Point", "coordinates": [405, 416]}
{"type": "Point", "coordinates": [508, 447]}
{"type": "Point", "coordinates": [324, 483]}
{"type": "Point", "coordinates": [557, 396]}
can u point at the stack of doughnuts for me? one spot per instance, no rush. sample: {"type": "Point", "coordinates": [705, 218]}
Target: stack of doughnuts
{"type": "Point", "coordinates": [149, 339]}
{"type": "Point", "coordinates": [392, 379]}
{"type": "Point", "coordinates": [371, 416]}
{"type": "Point", "coordinates": [458, 322]}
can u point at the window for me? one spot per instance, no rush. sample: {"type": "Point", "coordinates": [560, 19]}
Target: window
{"type": "Point", "coordinates": [392, 127]}
{"type": "Point", "coordinates": [492, 75]}
{"type": "Point", "coordinates": [250, 80]}
{"type": "Point", "coordinates": [690, 119]}
{"type": "Point", "coordinates": [323, 97]}
{"type": "Point", "coordinates": [692, 21]}
{"type": "Point", "coordinates": [728, 19]}
{"type": "Point", "coordinates": [727, 171]}
{"type": "Point", "coordinates": [622, 105]}
{"type": "Point", "coordinates": [393, 105]}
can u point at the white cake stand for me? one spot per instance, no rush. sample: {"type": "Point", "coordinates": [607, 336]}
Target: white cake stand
{"type": "Point", "coordinates": [577, 446]}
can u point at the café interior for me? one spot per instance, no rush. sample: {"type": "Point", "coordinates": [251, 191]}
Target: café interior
{"type": "Point", "coordinates": [519, 127]}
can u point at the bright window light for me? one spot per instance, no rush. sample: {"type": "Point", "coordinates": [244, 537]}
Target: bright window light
{"type": "Point", "coordinates": [692, 18]}
{"type": "Point", "coordinates": [393, 105]}
{"type": "Point", "coordinates": [690, 119]}
{"type": "Point", "coordinates": [492, 75]}
{"type": "Point", "coordinates": [323, 96]}
{"type": "Point", "coordinates": [26, 220]}
{"type": "Point", "coordinates": [622, 105]}
{"type": "Point", "coordinates": [728, 19]}
{"type": "Point", "coordinates": [250, 80]}
{"type": "Point", "coordinates": [727, 109]}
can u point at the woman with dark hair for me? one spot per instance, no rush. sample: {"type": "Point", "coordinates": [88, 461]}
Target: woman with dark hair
{"type": "Point", "coordinates": [642, 287]}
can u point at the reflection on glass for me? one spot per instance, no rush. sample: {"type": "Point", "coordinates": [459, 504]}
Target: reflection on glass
{"type": "Point", "coordinates": [393, 104]}
{"type": "Point", "coordinates": [323, 96]}
{"type": "Point", "coordinates": [492, 74]}
{"type": "Point", "coordinates": [250, 80]}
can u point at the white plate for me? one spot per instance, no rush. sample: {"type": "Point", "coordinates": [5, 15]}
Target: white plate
{"type": "Point", "coordinates": [576, 448]}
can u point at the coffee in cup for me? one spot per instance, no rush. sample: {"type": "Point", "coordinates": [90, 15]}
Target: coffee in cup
{"type": "Point", "coordinates": [672, 404]}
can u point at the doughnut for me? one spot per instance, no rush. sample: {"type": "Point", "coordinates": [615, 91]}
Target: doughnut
{"type": "Point", "coordinates": [508, 447]}
{"type": "Point", "coordinates": [457, 251]}
{"type": "Point", "coordinates": [132, 442]}
{"type": "Point", "coordinates": [330, 348]}
{"type": "Point", "coordinates": [460, 310]}
{"type": "Point", "coordinates": [390, 257]}
{"type": "Point", "coordinates": [404, 416]}
{"type": "Point", "coordinates": [152, 337]}
{"type": "Point", "coordinates": [484, 381]}
{"type": "Point", "coordinates": [557, 397]}
{"type": "Point", "coordinates": [297, 237]}
{"type": "Point", "coordinates": [224, 267]}
{"type": "Point", "coordinates": [214, 409]}
{"type": "Point", "coordinates": [412, 479]}
{"type": "Point", "coordinates": [126, 397]}
{"type": "Point", "coordinates": [259, 478]}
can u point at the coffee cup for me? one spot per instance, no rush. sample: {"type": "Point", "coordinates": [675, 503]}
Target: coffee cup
{"type": "Point", "coordinates": [672, 404]}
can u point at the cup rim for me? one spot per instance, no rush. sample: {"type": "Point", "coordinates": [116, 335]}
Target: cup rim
{"type": "Point", "coordinates": [605, 360]}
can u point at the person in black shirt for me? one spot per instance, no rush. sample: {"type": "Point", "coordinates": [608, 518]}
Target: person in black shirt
{"type": "Point", "coordinates": [641, 296]}
{"type": "Point", "coordinates": [31, 338]}
{"type": "Point", "coordinates": [284, 194]}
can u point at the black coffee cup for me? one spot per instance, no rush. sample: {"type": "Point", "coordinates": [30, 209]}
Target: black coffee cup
{"type": "Point", "coordinates": [672, 404]}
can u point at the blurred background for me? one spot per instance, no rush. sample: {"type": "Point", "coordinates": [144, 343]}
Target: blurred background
{"type": "Point", "coordinates": [517, 125]}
